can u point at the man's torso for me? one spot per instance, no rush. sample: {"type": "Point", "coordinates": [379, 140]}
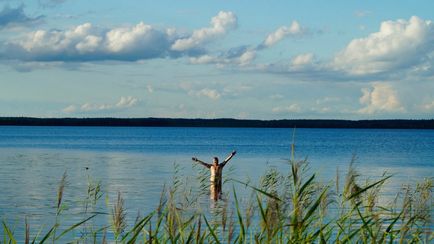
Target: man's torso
{"type": "Point", "coordinates": [216, 173]}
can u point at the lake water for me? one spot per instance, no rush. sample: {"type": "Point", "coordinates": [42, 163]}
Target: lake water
{"type": "Point", "coordinates": [138, 161]}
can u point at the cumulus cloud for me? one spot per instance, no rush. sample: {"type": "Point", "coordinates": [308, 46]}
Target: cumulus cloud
{"type": "Point", "coordinates": [302, 59]}
{"type": "Point", "coordinates": [398, 45]}
{"type": "Point", "coordinates": [304, 66]}
{"type": "Point", "coordinates": [220, 25]}
{"type": "Point", "coordinates": [126, 102]}
{"type": "Point", "coordinates": [293, 108]}
{"type": "Point", "coordinates": [401, 49]}
{"type": "Point", "coordinates": [70, 109]}
{"type": "Point", "coordinates": [429, 106]}
{"type": "Point", "coordinates": [247, 57]}
{"type": "Point", "coordinates": [305, 61]}
{"type": "Point", "coordinates": [239, 56]}
{"type": "Point", "coordinates": [241, 59]}
{"type": "Point", "coordinates": [123, 103]}
{"type": "Point", "coordinates": [209, 93]}
{"type": "Point", "coordinates": [204, 59]}
{"type": "Point", "coordinates": [294, 29]}
{"type": "Point", "coordinates": [141, 38]}
{"type": "Point", "coordinates": [87, 42]}
{"type": "Point", "coordinates": [380, 97]}
{"type": "Point", "coordinates": [214, 90]}
{"type": "Point", "coordinates": [11, 17]}
{"type": "Point", "coordinates": [244, 55]}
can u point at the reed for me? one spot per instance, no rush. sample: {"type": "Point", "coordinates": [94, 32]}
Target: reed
{"type": "Point", "coordinates": [118, 216]}
{"type": "Point", "coordinates": [286, 207]}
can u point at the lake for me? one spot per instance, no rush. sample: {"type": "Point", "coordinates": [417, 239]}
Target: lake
{"type": "Point", "coordinates": [139, 161]}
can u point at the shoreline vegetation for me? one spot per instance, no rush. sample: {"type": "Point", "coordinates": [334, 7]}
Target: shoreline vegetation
{"type": "Point", "coordinates": [222, 122]}
{"type": "Point", "coordinates": [285, 207]}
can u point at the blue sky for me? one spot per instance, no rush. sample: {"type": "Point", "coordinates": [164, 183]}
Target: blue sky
{"type": "Point", "coordinates": [214, 59]}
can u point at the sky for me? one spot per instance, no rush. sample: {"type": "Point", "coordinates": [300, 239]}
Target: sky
{"type": "Point", "coordinates": [217, 59]}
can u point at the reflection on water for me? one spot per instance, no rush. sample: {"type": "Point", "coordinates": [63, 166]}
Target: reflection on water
{"type": "Point", "coordinates": [138, 161]}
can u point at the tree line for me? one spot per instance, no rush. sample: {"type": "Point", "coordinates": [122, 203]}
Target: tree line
{"type": "Point", "coordinates": [223, 122]}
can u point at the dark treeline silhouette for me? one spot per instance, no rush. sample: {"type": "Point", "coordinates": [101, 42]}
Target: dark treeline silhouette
{"type": "Point", "coordinates": [166, 122]}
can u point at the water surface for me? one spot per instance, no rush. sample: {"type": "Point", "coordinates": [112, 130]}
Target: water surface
{"type": "Point", "coordinates": [138, 161]}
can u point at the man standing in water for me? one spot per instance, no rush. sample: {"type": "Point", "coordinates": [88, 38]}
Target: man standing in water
{"type": "Point", "coordinates": [216, 174]}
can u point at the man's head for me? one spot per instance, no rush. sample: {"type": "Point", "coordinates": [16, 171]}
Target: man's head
{"type": "Point", "coordinates": [215, 161]}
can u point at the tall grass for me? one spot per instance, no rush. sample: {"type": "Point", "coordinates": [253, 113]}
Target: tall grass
{"type": "Point", "coordinates": [286, 207]}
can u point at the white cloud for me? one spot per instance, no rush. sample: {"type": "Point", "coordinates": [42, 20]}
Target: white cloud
{"type": "Point", "coordinates": [380, 97]}
{"type": "Point", "coordinates": [70, 109]}
{"type": "Point", "coordinates": [126, 102]}
{"type": "Point", "coordinates": [323, 109]}
{"type": "Point", "coordinates": [293, 30]}
{"type": "Point", "coordinates": [429, 106]}
{"type": "Point", "coordinates": [86, 42]}
{"type": "Point", "coordinates": [302, 60]}
{"type": "Point", "coordinates": [246, 58]}
{"type": "Point", "coordinates": [362, 13]}
{"type": "Point", "coordinates": [397, 45]}
{"type": "Point", "coordinates": [401, 49]}
{"type": "Point", "coordinates": [197, 89]}
{"type": "Point", "coordinates": [209, 93]}
{"type": "Point", "coordinates": [293, 108]}
{"type": "Point", "coordinates": [277, 96]}
{"type": "Point", "coordinates": [243, 58]}
{"type": "Point", "coordinates": [220, 24]}
{"type": "Point", "coordinates": [244, 55]}
{"type": "Point", "coordinates": [41, 41]}
{"type": "Point", "coordinates": [325, 100]}
{"type": "Point", "coordinates": [204, 59]}
{"type": "Point", "coordinates": [89, 44]}
{"type": "Point", "coordinates": [141, 37]}
{"type": "Point", "coordinates": [123, 103]}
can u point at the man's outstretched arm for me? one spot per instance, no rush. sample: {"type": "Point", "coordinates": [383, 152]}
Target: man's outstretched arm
{"type": "Point", "coordinates": [201, 162]}
{"type": "Point", "coordinates": [228, 158]}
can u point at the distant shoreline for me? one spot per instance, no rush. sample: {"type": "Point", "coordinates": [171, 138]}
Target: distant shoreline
{"type": "Point", "coordinates": [171, 122]}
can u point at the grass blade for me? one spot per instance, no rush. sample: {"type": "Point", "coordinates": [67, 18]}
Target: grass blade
{"type": "Point", "coordinates": [314, 206]}
{"type": "Point", "coordinates": [357, 193]}
{"type": "Point", "coordinates": [9, 233]}
{"type": "Point", "coordinates": [240, 217]}
{"type": "Point", "coordinates": [211, 230]}
{"type": "Point", "coordinates": [258, 190]}
{"type": "Point", "coordinates": [307, 183]}
{"type": "Point", "coordinates": [261, 210]}
{"type": "Point", "coordinates": [138, 228]}
{"type": "Point", "coordinates": [365, 223]}
{"type": "Point", "coordinates": [75, 226]}
{"type": "Point", "coordinates": [49, 233]}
